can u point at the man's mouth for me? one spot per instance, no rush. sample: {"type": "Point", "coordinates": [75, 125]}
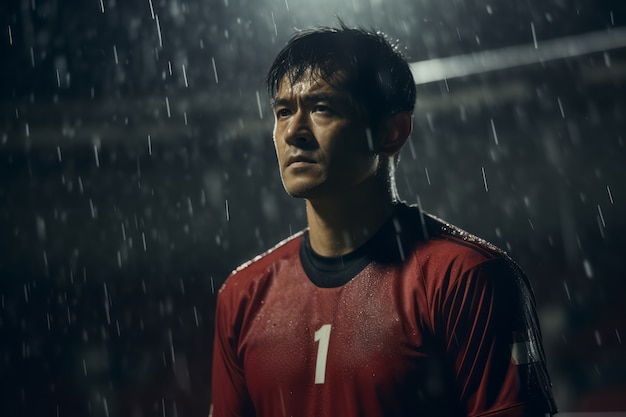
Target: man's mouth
{"type": "Point", "coordinates": [300, 160]}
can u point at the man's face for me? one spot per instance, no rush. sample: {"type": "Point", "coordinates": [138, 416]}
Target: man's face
{"type": "Point", "coordinates": [322, 140]}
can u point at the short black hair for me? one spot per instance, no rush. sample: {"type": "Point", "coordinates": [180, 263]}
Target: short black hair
{"type": "Point", "coordinates": [364, 63]}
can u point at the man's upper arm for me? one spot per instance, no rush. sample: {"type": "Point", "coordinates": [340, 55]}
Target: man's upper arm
{"type": "Point", "coordinates": [493, 339]}
{"type": "Point", "coordinates": [229, 394]}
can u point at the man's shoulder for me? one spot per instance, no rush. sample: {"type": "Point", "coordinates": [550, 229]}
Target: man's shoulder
{"type": "Point", "coordinates": [258, 266]}
{"type": "Point", "coordinates": [445, 243]}
{"type": "Point", "coordinates": [456, 240]}
{"type": "Point", "coordinates": [449, 254]}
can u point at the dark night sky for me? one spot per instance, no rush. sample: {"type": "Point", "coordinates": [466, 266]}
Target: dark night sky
{"type": "Point", "coordinates": [137, 170]}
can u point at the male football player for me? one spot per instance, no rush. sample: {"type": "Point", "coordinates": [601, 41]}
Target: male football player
{"type": "Point", "coordinates": [376, 308]}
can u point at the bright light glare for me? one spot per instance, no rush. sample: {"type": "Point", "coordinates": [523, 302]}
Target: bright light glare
{"type": "Point", "coordinates": [514, 56]}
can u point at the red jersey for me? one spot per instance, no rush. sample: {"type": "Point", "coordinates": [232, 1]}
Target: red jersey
{"type": "Point", "coordinates": [434, 322]}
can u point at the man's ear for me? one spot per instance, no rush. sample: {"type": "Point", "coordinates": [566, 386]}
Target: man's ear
{"type": "Point", "coordinates": [396, 131]}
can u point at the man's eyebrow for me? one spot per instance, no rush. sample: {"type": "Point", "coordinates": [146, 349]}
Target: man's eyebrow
{"type": "Point", "coordinates": [278, 101]}
{"type": "Point", "coordinates": [321, 97]}
{"type": "Point", "coordinates": [311, 98]}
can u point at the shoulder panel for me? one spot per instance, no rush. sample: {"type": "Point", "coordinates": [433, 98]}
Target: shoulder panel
{"type": "Point", "coordinates": [263, 261]}
{"type": "Point", "coordinates": [443, 230]}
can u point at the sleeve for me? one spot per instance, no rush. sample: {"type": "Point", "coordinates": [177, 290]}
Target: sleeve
{"type": "Point", "coordinates": [229, 393]}
{"type": "Point", "coordinates": [493, 341]}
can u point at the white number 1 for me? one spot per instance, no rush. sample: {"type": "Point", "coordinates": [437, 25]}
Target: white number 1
{"type": "Point", "coordinates": [322, 336]}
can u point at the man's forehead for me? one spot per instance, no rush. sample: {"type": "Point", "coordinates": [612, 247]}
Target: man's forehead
{"type": "Point", "coordinates": [306, 84]}
{"type": "Point", "coordinates": [310, 79]}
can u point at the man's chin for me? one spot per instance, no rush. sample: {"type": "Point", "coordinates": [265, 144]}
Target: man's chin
{"type": "Point", "coordinates": [298, 193]}
{"type": "Point", "coordinates": [301, 190]}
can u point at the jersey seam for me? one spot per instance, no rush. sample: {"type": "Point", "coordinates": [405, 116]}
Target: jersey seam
{"type": "Point", "coordinates": [427, 296]}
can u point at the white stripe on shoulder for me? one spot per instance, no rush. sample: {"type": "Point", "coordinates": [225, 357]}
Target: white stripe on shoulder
{"type": "Point", "coordinates": [269, 251]}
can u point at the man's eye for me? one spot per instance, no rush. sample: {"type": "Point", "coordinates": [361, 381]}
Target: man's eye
{"type": "Point", "coordinates": [283, 112]}
{"type": "Point", "coordinates": [320, 108]}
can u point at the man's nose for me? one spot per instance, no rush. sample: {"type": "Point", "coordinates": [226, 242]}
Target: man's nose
{"type": "Point", "coordinates": [299, 129]}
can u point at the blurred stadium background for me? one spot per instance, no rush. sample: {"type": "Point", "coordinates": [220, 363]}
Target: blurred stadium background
{"type": "Point", "coordinates": [137, 170]}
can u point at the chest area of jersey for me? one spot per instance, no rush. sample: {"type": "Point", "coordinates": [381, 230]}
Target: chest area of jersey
{"type": "Point", "coordinates": [304, 336]}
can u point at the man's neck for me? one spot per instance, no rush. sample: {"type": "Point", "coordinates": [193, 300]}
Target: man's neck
{"type": "Point", "coordinates": [340, 225]}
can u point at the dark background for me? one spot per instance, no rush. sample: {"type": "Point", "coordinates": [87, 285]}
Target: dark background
{"type": "Point", "coordinates": [137, 170]}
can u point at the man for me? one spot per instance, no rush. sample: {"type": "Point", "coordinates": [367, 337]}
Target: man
{"type": "Point", "coordinates": [376, 309]}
